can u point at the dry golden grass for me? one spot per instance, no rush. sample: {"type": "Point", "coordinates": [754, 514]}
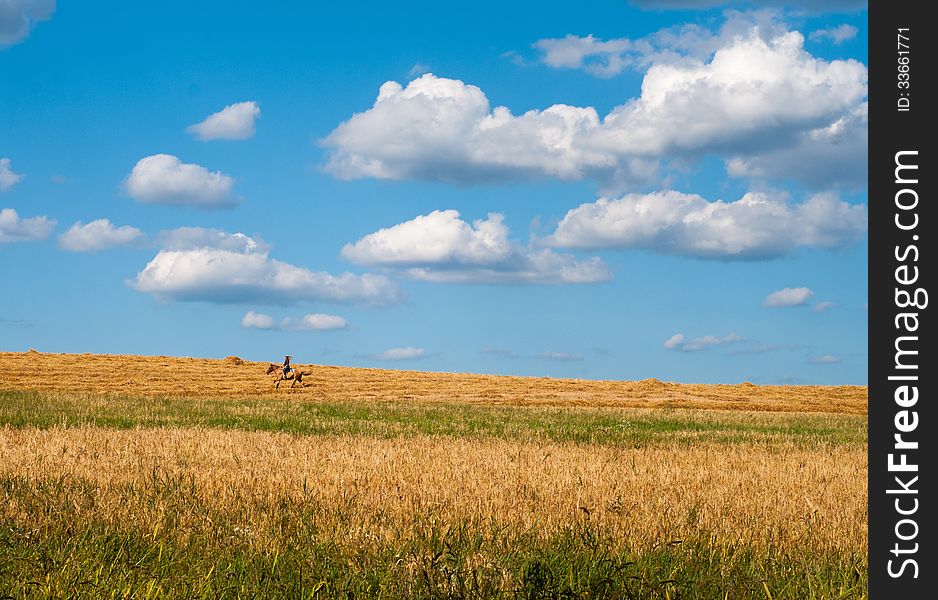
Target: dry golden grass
{"type": "Point", "coordinates": [757, 495]}
{"type": "Point", "coordinates": [388, 483]}
{"type": "Point", "coordinates": [190, 377]}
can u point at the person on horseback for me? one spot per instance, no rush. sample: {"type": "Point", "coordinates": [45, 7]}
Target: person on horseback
{"type": "Point", "coordinates": [287, 369]}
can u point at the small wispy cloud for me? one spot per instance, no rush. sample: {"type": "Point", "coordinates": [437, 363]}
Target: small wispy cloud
{"type": "Point", "coordinates": [310, 322]}
{"type": "Point", "coordinates": [408, 353]}
{"type": "Point", "coordinates": [8, 177]}
{"type": "Point", "coordinates": [546, 355]}
{"type": "Point", "coordinates": [824, 305]}
{"type": "Point", "coordinates": [195, 238]}
{"type": "Point", "coordinates": [764, 349]}
{"type": "Point", "coordinates": [503, 352]}
{"type": "Point", "coordinates": [559, 356]}
{"type": "Point", "coordinates": [18, 17]}
{"type": "Point", "coordinates": [602, 58]}
{"type": "Point", "coordinates": [677, 342]}
{"type": "Point", "coordinates": [418, 69]}
{"type": "Point", "coordinates": [825, 359]}
{"type": "Point", "coordinates": [516, 59]}
{"type": "Point", "coordinates": [315, 322]}
{"type": "Point", "coordinates": [234, 122]}
{"type": "Point", "coordinates": [16, 323]}
{"type": "Point", "coordinates": [798, 296]}
{"type": "Point", "coordinates": [837, 35]}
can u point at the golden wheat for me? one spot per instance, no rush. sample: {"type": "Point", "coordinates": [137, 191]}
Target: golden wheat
{"type": "Point", "coordinates": [726, 469]}
{"type": "Point", "coordinates": [756, 495]}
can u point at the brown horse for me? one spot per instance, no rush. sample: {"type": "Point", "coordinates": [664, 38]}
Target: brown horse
{"type": "Point", "coordinates": [295, 374]}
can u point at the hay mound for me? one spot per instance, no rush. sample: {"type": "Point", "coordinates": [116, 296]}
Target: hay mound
{"type": "Point", "coordinates": [233, 360]}
{"type": "Point", "coordinates": [32, 351]}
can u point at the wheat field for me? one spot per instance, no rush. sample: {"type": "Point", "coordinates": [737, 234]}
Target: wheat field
{"type": "Point", "coordinates": [127, 476]}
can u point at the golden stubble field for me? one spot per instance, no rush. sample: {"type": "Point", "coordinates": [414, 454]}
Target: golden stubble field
{"type": "Point", "coordinates": [209, 378]}
{"type": "Point", "coordinates": [771, 481]}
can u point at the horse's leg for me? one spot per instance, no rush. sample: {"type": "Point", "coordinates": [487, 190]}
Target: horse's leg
{"type": "Point", "coordinates": [278, 383]}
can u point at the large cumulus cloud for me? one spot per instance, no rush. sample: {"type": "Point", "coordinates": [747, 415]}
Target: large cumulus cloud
{"type": "Point", "coordinates": [744, 101]}
{"type": "Point", "coordinates": [234, 268]}
{"type": "Point", "coordinates": [443, 248]}
{"type": "Point", "coordinates": [757, 226]}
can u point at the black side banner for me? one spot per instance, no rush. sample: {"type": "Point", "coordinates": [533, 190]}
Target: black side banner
{"type": "Point", "coordinates": [902, 370]}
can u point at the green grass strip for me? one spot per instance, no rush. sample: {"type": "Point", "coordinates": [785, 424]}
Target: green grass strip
{"type": "Point", "coordinates": [608, 426]}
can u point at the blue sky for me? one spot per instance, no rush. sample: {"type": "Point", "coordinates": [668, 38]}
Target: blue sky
{"type": "Point", "coordinates": [613, 190]}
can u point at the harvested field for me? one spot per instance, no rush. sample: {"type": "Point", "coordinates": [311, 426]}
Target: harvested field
{"type": "Point", "coordinates": [150, 376]}
{"type": "Point", "coordinates": [376, 483]}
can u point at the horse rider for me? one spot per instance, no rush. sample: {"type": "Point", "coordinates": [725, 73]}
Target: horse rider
{"type": "Point", "coordinates": [287, 369]}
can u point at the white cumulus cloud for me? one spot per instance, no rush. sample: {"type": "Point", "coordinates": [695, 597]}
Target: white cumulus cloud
{"type": "Point", "coordinates": [255, 320]}
{"type": "Point", "coordinates": [99, 234]}
{"type": "Point", "coordinates": [18, 17]}
{"type": "Point", "coordinates": [164, 179]}
{"type": "Point", "coordinates": [234, 122]}
{"type": "Point", "coordinates": [758, 225]}
{"type": "Point", "coordinates": [748, 95]}
{"type": "Point", "coordinates": [244, 272]}
{"type": "Point", "coordinates": [15, 229]}
{"type": "Point", "coordinates": [441, 247]}
{"type": "Point", "coordinates": [677, 342]}
{"type": "Point", "coordinates": [832, 155]}
{"type": "Point", "coordinates": [439, 237]}
{"type": "Point", "coordinates": [679, 44]}
{"type": "Point", "coordinates": [401, 354]}
{"type": "Point", "coordinates": [798, 296]}
{"type": "Point", "coordinates": [8, 178]}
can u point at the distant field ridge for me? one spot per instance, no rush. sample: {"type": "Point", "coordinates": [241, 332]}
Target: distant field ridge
{"type": "Point", "coordinates": [151, 376]}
